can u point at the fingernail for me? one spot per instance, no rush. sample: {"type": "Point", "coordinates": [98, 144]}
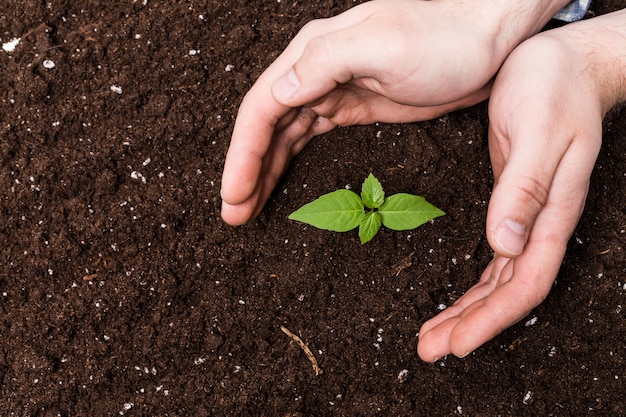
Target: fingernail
{"type": "Point", "coordinates": [465, 354]}
{"type": "Point", "coordinates": [511, 237]}
{"type": "Point", "coordinates": [286, 86]}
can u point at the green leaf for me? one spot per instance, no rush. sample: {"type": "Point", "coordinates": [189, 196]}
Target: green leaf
{"type": "Point", "coordinates": [370, 224]}
{"type": "Point", "coordinates": [372, 192]}
{"type": "Point", "coordinates": [338, 211]}
{"type": "Point", "coordinates": [406, 211]}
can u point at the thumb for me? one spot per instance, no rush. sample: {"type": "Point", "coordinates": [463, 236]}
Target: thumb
{"type": "Point", "coordinates": [320, 55]}
{"type": "Point", "coordinates": [333, 51]}
{"type": "Point", "coordinates": [524, 168]}
{"type": "Point", "coordinates": [326, 61]}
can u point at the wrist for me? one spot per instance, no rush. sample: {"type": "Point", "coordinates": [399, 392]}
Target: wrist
{"type": "Point", "coordinates": [600, 45]}
{"type": "Point", "coordinates": [511, 22]}
{"type": "Point", "coordinates": [609, 49]}
{"type": "Point", "coordinates": [504, 24]}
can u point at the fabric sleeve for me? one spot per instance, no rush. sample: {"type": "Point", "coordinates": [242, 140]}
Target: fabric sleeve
{"type": "Point", "coordinates": [574, 11]}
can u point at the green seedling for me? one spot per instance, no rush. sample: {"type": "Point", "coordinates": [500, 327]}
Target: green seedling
{"type": "Point", "coordinates": [345, 210]}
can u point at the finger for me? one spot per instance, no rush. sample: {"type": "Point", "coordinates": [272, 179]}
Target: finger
{"type": "Point", "coordinates": [350, 105]}
{"type": "Point", "coordinates": [252, 134]}
{"type": "Point", "coordinates": [538, 156]}
{"type": "Point", "coordinates": [532, 276]}
{"type": "Point", "coordinates": [480, 290]}
{"type": "Point", "coordinates": [522, 187]}
{"type": "Point", "coordinates": [328, 59]}
{"type": "Point", "coordinates": [284, 145]}
{"type": "Point", "coordinates": [505, 306]}
{"type": "Point", "coordinates": [494, 308]}
{"type": "Point", "coordinates": [434, 335]}
{"type": "Point", "coordinates": [244, 168]}
{"type": "Point", "coordinates": [280, 156]}
{"type": "Point", "coordinates": [544, 116]}
{"type": "Point", "coordinates": [260, 115]}
{"type": "Point", "coordinates": [363, 49]}
{"type": "Point", "coordinates": [521, 283]}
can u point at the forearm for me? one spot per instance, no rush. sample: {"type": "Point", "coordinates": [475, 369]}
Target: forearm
{"type": "Point", "coordinates": [601, 42]}
{"type": "Point", "coordinates": [513, 21]}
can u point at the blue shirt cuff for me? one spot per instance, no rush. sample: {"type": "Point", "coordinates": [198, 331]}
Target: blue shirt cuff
{"type": "Point", "coordinates": [574, 11]}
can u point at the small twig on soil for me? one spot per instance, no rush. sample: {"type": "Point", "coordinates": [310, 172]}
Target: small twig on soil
{"type": "Point", "coordinates": [304, 347]}
{"type": "Point", "coordinates": [89, 277]}
{"type": "Point", "coordinates": [402, 265]}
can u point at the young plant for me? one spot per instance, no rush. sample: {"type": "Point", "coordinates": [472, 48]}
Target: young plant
{"type": "Point", "coordinates": [344, 210]}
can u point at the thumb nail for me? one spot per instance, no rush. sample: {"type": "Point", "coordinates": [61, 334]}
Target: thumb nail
{"type": "Point", "coordinates": [286, 86]}
{"type": "Point", "coordinates": [511, 237]}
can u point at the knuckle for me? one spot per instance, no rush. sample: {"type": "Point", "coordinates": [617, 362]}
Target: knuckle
{"type": "Point", "coordinates": [319, 48]}
{"type": "Point", "coordinates": [531, 191]}
{"type": "Point", "coordinates": [312, 28]}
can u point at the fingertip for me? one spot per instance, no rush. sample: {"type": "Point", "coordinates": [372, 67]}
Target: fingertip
{"type": "Point", "coordinates": [422, 351]}
{"type": "Point", "coordinates": [516, 201]}
{"type": "Point", "coordinates": [431, 350]}
{"type": "Point", "coordinates": [235, 215]}
{"type": "Point", "coordinates": [509, 238]}
{"type": "Point", "coordinates": [286, 87]}
{"type": "Point", "coordinates": [433, 344]}
{"type": "Point", "coordinates": [231, 195]}
{"type": "Point", "coordinates": [320, 67]}
{"type": "Point", "coordinates": [426, 355]}
{"type": "Point", "coordinates": [229, 219]}
{"type": "Point", "coordinates": [241, 175]}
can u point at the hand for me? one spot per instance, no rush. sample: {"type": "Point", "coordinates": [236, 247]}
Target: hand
{"type": "Point", "coordinates": [546, 110]}
{"type": "Point", "coordinates": [387, 61]}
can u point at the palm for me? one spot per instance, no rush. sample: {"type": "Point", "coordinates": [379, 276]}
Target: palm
{"type": "Point", "coordinates": [542, 156]}
{"type": "Point", "coordinates": [363, 66]}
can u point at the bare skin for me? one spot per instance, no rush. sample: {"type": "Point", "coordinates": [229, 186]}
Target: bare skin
{"type": "Point", "coordinates": [382, 61]}
{"type": "Point", "coordinates": [546, 111]}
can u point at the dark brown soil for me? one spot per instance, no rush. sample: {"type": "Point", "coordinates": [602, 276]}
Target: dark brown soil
{"type": "Point", "coordinates": [123, 293]}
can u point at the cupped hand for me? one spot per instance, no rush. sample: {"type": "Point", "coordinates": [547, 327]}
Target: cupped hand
{"type": "Point", "coordinates": [546, 111]}
{"type": "Point", "coordinates": [381, 61]}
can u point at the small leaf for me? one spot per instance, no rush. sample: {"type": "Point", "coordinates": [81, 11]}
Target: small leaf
{"type": "Point", "coordinates": [372, 192]}
{"type": "Point", "coordinates": [338, 211]}
{"type": "Point", "coordinates": [370, 224]}
{"type": "Point", "coordinates": [406, 211]}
